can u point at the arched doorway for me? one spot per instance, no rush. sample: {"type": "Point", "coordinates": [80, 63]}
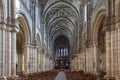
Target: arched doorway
{"type": "Point", "coordinates": [99, 42]}
{"type": "Point", "coordinates": [20, 49]}
{"type": "Point", "coordinates": [101, 48]}
{"type": "Point", "coordinates": [61, 48]}
{"type": "Point", "coordinates": [22, 45]}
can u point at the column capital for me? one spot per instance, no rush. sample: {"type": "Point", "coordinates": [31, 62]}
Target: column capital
{"type": "Point", "coordinates": [32, 45]}
{"type": "Point", "coordinates": [2, 25]}
{"type": "Point", "coordinates": [110, 23]}
{"type": "Point", "coordinates": [8, 27]}
{"type": "Point", "coordinates": [95, 43]}
{"type": "Point", "coordinates": [89, 44]}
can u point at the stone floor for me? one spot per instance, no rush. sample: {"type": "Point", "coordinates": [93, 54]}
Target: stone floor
{"type": "Point", "coordinates": [61, 76]}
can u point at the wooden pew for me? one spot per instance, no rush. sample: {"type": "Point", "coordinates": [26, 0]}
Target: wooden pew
{"type": "Point", "coordinates": [48, 75]}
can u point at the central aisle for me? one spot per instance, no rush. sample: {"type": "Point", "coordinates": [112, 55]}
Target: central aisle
{"type": "Point", "coordinates": [61, 76]}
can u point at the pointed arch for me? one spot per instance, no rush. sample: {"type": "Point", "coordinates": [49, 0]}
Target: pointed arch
{"type": "Point", "coordinates": [100, 17]}
{"type": "Point", "coordinates": [22, 23]}
{"type": "Point", "coordinates": [47, 9]}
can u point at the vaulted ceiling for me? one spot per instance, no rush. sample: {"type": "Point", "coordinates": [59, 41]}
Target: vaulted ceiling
{"type": "Point", "coordinates": [61, 18]}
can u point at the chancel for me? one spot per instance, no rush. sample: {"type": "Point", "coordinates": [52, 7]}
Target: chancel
{"type": "Point", "coordinates": [59, 39]}
{"type": "Point", "coordinates": [62, 49]}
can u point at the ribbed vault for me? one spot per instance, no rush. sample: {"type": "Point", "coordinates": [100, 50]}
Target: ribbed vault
{"type": "Point", "coordinates": [61, 18]}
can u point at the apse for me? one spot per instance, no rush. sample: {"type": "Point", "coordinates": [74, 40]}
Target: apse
{"type": "Point", "coordinates": [61, 49]}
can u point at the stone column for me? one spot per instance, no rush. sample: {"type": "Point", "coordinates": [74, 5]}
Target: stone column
{"type": "Point", "coordinates": [8, 53]}
{"type": "Point", "coordinates": [44, 67]}
{"type": "Point", "coordinates": [3, 64]}
{"type": "Point", "coordinates": [71, 60]}
{"type": "Point", "coordinates": [50, 64]}
{"type": "Point", "coordinates": [1, 54]}
{"type": "Point", "coordinates": [108, 53]}
{"type": "Point", "coordinates": [119, 51]}
{"type": "Point", "coordinates": [48, 61]}
{"type": "Point", "coordinates": [40, 66]}
{"type": "Point", "coordinates": [13, 53]}
{"type": "Point", "coordinates": [5, 54]}
{"type": "Point", "coordinates": [44, 64]}
{"type": "Point", "coordinates": [112, 52]}
{"type": "Point", "coordinates": [71, 63]}
{"type": "Point", "coordinates": [81, 58]}
{"type": "Point", "coordinates": [33, 58]}
{"type": "Point", "coordinates": [26, 54]}
{"type": "Point", "coordinates": [41, 62]}
{"type": "Point", "coordinates": [30, 59]}
{"type": "Point", "coordinates": [115, 49]}
{"type": "Point", "coordinates": [117, 66]}
{"type": "Point", "coordinates": [91, 59]}
{"type": "Point", "coordinates": [95, 57]}
{"type": "Point", "coordinates": [11, 18]}
{"type": "Point", "coordinates": [93, 63]}
{"type": "Point", "coordinates": [75, 63]}
{"type": "Point", "coordinates": [78, 61]}
{"type": "Point", "coordinates": [38, 60]}
{"type": "Point", "coordinates": [86, 61]}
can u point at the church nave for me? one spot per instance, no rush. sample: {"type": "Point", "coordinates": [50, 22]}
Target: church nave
{"type": "Point", "coordinates": [60, 39]}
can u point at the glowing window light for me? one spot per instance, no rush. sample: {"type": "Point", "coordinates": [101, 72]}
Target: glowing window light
{"type": "Point", "coordinates": [17, 4]}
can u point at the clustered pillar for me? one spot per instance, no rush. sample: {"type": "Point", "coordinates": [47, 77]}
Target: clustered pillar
{"type": "Point", "coordinates": [112, 53]}
{"type": "Point", "coordinates": [33, 59]}
{"type": "Point", "coordinates": [7, 51]}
